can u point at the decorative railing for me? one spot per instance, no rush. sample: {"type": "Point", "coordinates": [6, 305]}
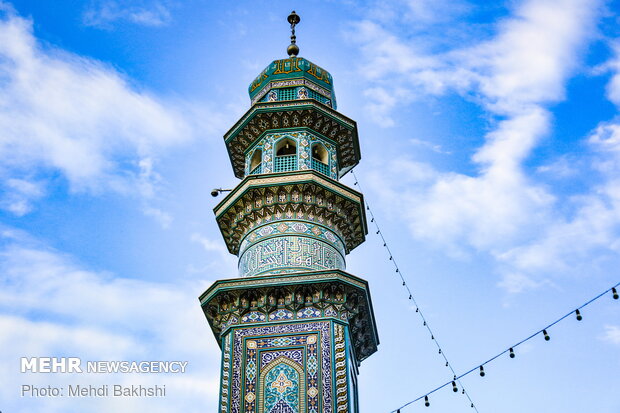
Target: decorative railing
{"type": "Point", "coordinates": [287, 94]}
{"type": "Point", "coordinates": [285, 163]}
{"type": "Point", "coordinates": [257, 170]}
{"type": "Point", "coordinates": [320, 167]}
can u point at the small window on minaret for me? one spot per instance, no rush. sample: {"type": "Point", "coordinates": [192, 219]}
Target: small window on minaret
{"type": "Point", "coordinates": [256, 162]}
{"type": "Point", "coordinates": [286, 156]}
{"type": "Point", "coordinates": [319, 153]}
{"type": "Point", "coordinates": [286, 147]}
{"type": "Point", "coordinates": [320, 159]}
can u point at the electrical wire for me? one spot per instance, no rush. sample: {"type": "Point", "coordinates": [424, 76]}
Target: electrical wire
{"type": "Point", "coordinates": [413, 300]}
{"type": "Point", "coordinates": [511, 348]}
{"type": "Point", "coordinates": [457, 378]}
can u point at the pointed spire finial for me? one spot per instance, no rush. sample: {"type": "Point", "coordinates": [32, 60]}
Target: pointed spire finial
{"type": "Point", "coordinates": [293, 49]}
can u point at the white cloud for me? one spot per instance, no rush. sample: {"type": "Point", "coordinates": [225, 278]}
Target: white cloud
{"type": "Point", "coordinates": [148, 182]}
{"type": "Point", "coordinates": [105, 13]}
{"type": "Point", "coordinates": [163, 218]}
{"type": "Point", "coordinates": [613, 66]}
{"type": "Point", "coordinates": [516, 283]}
{"type": "Point", "coordinates": [525, 64]}
{"type": "Point", "coordinates": [430, 145]}
{"type": "Point", "coordinates": [50, 306]}
{"type": "Point", "coordinates": [562, 167]}
{"type": "Point", "coordinates": [612, 334]}
{"type": "Point", "coordinates": [593, 227]}
{"type": "Point", "coordinates": [564, 243]}
{"type": "Point", "coordinates": [606, 136]}
{"type": "Point", "coordinates": [434, 11]}
{"type": "Point", "coordinates": [73, 114]}
{"type": "Point", "coordinates": [62, 113]}
{"type": "Point", "coordinates": [226, 262]}
{"type": "Point", "coordinates": [418, 13]}
{"type": "Point", "coordinates": [500, 209]}
{"type": "Point", "coordinates": [534, 52]}
{"type": "Point", "coordinates": [379, 104]}
{"type": "Point", "coordinates": [386, 54]}
{"type": "Point", "coordinates": [19, 195]}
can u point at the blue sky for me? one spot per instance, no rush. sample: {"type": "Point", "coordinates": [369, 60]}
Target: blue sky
{"type": "Point", "coordinates": [490, 141]}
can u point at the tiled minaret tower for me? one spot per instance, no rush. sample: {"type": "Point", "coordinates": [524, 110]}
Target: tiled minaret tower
{"type": "Point", "coordinates": [294, 327]}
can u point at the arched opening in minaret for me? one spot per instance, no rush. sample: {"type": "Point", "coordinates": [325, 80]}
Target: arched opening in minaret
{"type": "Point", "coordinates": [319, 152]}
{"type": "Point", "coordinates": [280, 386]}
{"type": "Point", "coordinates": [256, 162]}
{"type": "Point", "coordinates": [286, 155]}
{"type": "Point", "coordinates": [285, 147]}
{"type": "Point", "coordinates": [320, 158]}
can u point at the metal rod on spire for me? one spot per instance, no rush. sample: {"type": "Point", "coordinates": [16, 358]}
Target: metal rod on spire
{"type": "Point", "coordinates": [293, 49]}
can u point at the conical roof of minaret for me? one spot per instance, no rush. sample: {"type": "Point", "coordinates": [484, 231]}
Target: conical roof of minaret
{"type": "Point", "coordinates": [283, 78]}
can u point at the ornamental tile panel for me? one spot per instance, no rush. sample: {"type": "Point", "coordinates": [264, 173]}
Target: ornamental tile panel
{"type": "Point", "coordinates": [309, 312]}
{"type": "Point", "coordinates": [253, 317]}
{"type": "Point", "coordinates": [289, 254]}
{"type": "Point", "coordinates": [313, 340]}
{"type": "Point", "coordinates": [281, 314]}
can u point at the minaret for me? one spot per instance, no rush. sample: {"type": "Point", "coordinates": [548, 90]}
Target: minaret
{"type": "Point", "coordinates": [294, 326]}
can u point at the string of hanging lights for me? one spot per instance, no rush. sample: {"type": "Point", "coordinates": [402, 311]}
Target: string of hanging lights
{"type": "Point", "coordinates": [456, 379]}
{"type": "Point", "coordinates": [418, 310]}
{"type": "Point", "coordinates": [510, 350]}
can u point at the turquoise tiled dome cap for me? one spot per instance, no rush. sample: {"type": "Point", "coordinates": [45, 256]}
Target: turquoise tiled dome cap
{"type": "Point", "coordinates": [294, 78]}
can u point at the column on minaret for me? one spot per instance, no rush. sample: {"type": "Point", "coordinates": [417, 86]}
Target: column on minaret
{"type": "Point", "coordinates": [294, 326]}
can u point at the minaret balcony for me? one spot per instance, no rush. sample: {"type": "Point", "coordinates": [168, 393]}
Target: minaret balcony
{"type": "Point", "coordinates": [288, 116]}
{"type": "Point", "coordinates": [285, 163]}
{"type": "Point", "coordinates": [320, 167]}
{"type": "Point", "coordinates": [257, 170]}
{"type": "Point", "coordinates": [304, 196]}
{"type": "Point", "coordinates": [307, 296]}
